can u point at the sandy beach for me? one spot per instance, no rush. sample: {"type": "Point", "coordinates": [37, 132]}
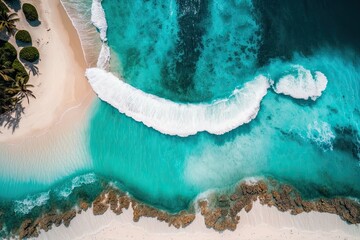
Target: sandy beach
{"type": "Point", "coordinates": [63, 99]}
{"type": "Point", "coordinates": [61, 89]}
{"type": "Point", "coordinates": [260, 223]}
{"type": "Point", "coordinates": [57, 119]}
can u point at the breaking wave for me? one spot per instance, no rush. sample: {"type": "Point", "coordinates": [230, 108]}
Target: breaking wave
{"type": "Point", "coordinates": [184, 119]}
{"type": "Point", "coordinates": [98, 18]}
{"type": "Point", "coordinates": [80, 16]}
{"type": "Point", "coordinates": [181, 119]}
{"type": "Point", "coordinates": [303, 84]}
{"type": "Point", "coordinates": [77, 182]}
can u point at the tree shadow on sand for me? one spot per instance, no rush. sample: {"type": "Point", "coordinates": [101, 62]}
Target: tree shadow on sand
{"type": "Point", "coordinates": [23, 44]}
{"type": "Point", "coordinates": [11, 119]}
{"type": "Point", "coordinates": [34, 23]}
{"type": "Point", "coordinates": [31, 67]}
{"type": "Point", "coordinates": [14, 4]}
{"type": "Point", "coordinates": [4, 36]}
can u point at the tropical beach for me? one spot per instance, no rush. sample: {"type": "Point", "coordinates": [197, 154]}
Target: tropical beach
{"type": "Point", "coordinates": [61, 52]}
{"type": "Point", "coordinates": [147, 139]}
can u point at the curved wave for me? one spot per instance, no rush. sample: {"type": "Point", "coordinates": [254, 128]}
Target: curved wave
{"type": "Point", "coordinates": [180, 119]}
{"type": "Point", "coordinates": [183, 119]}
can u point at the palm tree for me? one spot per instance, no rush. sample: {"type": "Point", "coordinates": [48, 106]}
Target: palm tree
{"type": "Point", "coordinates": [7, 21]}
{"type": "Point", "coordinates": [5, 74]}
{"type": "Point", "coordinates": [20, 88]}
{"type": "Point", "coordinates": [7, 101]}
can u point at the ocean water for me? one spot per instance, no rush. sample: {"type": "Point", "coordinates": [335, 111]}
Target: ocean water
{"type": "Point", "coordinates": [205, 93]}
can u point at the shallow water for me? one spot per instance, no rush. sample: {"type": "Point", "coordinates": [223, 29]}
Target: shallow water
{"type": "Point", "coordinates": [306, 131]}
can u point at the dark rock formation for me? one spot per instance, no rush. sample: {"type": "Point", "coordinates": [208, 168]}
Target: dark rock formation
{"type": "Point", "coordinates": [100, 205]}
{"type": "Point", "coordinates": [68, 216]}
{"type": "Point", "coordinates": [178, 220]}
{"type": "Point", "coordinates": [47, 220]}
{"type": "Point", "coordinates": [28, 229]}
{"type": "Point", "coordinates": [283, 197]}
{"type": "Point", "coordinates": [220, 211]}
{"type": "Point", "coordinates": [84, 206]}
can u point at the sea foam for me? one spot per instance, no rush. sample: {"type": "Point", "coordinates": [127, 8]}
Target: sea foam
{"type": "Point", "coordinates": [166, 116]}
{"type": "Point", "coordinates": [303, 84]}
{"type": "Point", "coordinates": [98, 18]}
{"type": "Point", "coordinates": [25, 206]}
{"type": "Point", "coordinates": [80, 16]}
{"type": "Point", "coordinates": [77, 182]}
{"type": "Point", "coordinates": [321, 134]}
{"type": "Point", "coordinates": [181, 119]}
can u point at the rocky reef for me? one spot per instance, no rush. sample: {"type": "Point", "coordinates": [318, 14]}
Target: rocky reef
{"type": "Point", "coordinates": [220, 210]}
{"type": "Point", "coordinates": [111, 198]}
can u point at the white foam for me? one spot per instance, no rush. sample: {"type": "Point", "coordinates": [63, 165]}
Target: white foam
{"type": "Point", "coordinates": [104, 57]}
{"type": "Point", "coordinates": [180, 119]}
{"type": "Point", "coordinates": [80, 16]}
{"type": "Point", "coordinates": [78, 182]}
{"type": "Point", "coordinates": [321, 134]}
{"type": "Point", "coordinates": [26, 205]}
{"type": "Point", "coordinates": [98, 18]}
{"type": "Point", "coordinates": [302, 85]}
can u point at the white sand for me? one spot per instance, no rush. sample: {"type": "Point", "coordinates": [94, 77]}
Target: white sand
{"type": "Point", "coordinates": [63, 97]}
{"type": "Point", "coordinates": [261, 223]}
{"type": "Point", "coordinates": [52, 132]}
{"type": "Point", "coordinates": [61, 89]}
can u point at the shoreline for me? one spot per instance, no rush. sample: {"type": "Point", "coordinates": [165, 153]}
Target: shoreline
{"type": "Point", "coordinates": [74, 104]}
{"type": "Point", "coordinates": [240, 213]}
{"type": "Point", "coordinates": [260, 223]}
{"type": "Point", "coordinates": [61, 88]}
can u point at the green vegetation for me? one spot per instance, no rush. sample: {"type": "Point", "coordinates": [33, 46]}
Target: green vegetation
{"type": "Point", "coordinates": [30, 54]}
{"type": "Point", "coordinates": [7, 22]}
{"type": "Point", "coordinates": [19, 68]}
{"type": "Point", "coordinates": [8, 53]}
{"type": "Point", "coordinates": [14, 79]}
{"type": "Point", "coordinates": [3, 7]}
{"type": "Point", "coordinates": [23, 36]}
{"type": "Point", "coordinates": [30, 12]}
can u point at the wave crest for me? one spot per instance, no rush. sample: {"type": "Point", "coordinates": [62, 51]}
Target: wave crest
{"type": "Point", "coordinates": [303, 84]}
{"type": "Point", "coordinates": [98, 18]}
{"type": "Point", "coordinates": [181, 119]}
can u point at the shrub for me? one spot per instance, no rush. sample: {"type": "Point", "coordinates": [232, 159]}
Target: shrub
{"type": "Point", "coordinates": [23, 36]}
{"type": "Point", "coordinates": [8, 52]}
{"type": "Point", "coordinates": [19, 68]}
{"type": "Point", "coordinates": [30, 54]}
{"type": "Point", "coordinates": [30, 12]}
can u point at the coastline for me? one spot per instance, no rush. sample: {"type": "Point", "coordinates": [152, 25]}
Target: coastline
{"type": "Point", "coordinates": [254, 210]}
{"type": "Point", "coordinates": [261, 223]}
{"type": "Point", "coordinates": [73, 101]}
{"type": "Point", "coordinates": [62, 92]}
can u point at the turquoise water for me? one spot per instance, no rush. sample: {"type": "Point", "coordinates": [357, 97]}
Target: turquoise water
{"type": "Point", "coordinates": [182, 50]}
{"type": "Point", "coordinates": [200, 51]}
